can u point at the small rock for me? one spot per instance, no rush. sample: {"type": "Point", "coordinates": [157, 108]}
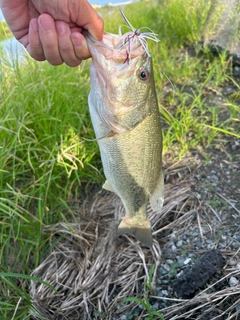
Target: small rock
{"type": "Point", "coordinates": [155, 306]}
{"type": "Point", "coordinates": [187, 261]}
{"type": "Point", "coordinates": [179, 274]}
{"type": "Point", "coordinates": [180, 261]}
{"type": "Point", "coordinates": [173, 235]}
{"type": "Point", "coordinates": [198, 244]}
{"type": "Point", "coordinates": [166, 266]}
{"type": "Point", "coordinates": [235, 245]}
{"type": "Point", "coordinates": [170, 244]}
{"type": "Point", "coordinates": [195, 234]}
{"type": "Point", "coordinates": [165, 281]}
{"type": "Point", "coordinates": [236, 71]}
{"type": "Point", "coordinates": [179, 243]}
{"type": "Point", "coordinates": [163, 271]}
{"type": "Point", "coordinates": [169, 261]}
{"type": "Point", "coordinates": [236, 236]}
{"type": "Point", "coordinates": [124, 317]}
{"type": "Point", "coordinates": [233, 282]}
{"type": "Point", "coordinates": [227, 90]}
{"type": "Point", "coordinates": [232, 262]}
{"type": "Point", "coordinates": [209, 241]}
{"type": "Point", "coordinates": [165, 292]}
{"type": "Point", "coordinates": [222, 245]}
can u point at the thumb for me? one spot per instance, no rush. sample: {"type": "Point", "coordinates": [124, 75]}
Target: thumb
{"type": "Point", "coordinates": [89, 19]}
{"type": "Point", "coordinates": [80, 46]}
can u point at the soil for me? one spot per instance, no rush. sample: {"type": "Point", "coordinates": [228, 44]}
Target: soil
{"type": "Point", "coordinates": [195, 277]}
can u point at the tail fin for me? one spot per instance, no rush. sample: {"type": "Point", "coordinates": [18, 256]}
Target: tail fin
{"type": "Point", "coordinates": [141, 231]}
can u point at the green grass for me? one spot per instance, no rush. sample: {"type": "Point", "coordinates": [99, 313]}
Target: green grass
{"type": "Point", "coordinates": [144, 301]}
{"type": "Point", "coordinates": [5, 33]}
{"type": "Point", "coordinates": [44, 163]}
{"type": "Point", "coordinates": [44, 159]}
{"type": "Point", "coordinates": [177, 22]}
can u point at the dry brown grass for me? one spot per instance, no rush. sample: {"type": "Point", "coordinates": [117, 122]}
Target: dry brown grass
{"type": "Point", "coordinates": [93, 270]}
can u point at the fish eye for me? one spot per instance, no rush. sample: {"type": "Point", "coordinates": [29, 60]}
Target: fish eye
{"type": "Point", "coordinates": [143, 74]}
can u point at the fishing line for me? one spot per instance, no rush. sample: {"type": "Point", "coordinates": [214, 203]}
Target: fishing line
{"type": "Point", "coordinates": [142, 37]}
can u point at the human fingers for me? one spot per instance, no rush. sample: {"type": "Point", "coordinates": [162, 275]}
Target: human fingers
{"type": "Point", "coordinates": [65, 44]}
{"type": "Point", "coordinates": [88, 18]}
{"type": "Point", "coordinates": [80, 46]}
{"type": "Point", "coordinates": [34, 47]}
{"type": "Point", "coordinates": [49, 39]}
{"type": "Point", "coordinates": [18, 14]}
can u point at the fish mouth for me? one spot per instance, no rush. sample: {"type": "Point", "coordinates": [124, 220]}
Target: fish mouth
{"type": "Point", "coordinates": [116, 47]}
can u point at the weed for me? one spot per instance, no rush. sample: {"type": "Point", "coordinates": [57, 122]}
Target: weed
{"type": "Point", "coordinates": [184, 250]}
{"type": "Point", "coordinates": [216, 202]}
{"type": "Point", "coordinates": [218, 235]}
{"type": "Point", "coordinates": [173, 269]}
{"type": "Point", "coordinates": [144, 302]}
{"type": "Point", "coordinates": [5, 33]}
{"type": "Point", "coordinates": [100, 315]}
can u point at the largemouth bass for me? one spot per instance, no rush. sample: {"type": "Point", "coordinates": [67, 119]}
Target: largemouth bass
{"type": "Point", "coordinates": [126, 120]}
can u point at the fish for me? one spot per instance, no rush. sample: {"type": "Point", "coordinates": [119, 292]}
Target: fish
{"type": "Point", "coordinates": [126, 119]}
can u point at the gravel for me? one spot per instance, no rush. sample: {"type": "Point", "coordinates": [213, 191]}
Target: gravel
{"type": "Point", "coordinates": [233, 282]}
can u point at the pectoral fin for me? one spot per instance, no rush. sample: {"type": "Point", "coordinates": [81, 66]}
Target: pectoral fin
{"type": "Point", "coordinates": [108, 135]}
{"type": "Point", "coordinates": [141, 231]}
{"type": "Point", "coordinates": [157, 197]}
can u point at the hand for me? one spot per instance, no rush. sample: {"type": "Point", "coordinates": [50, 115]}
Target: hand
{"type": "Point", "coordinates": [51, 29]}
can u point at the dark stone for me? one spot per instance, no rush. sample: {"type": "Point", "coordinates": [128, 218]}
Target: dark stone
{"type": "Point", "coordinates": [236, 71]}
{"type": "Point", "coordinates": [198, 274]}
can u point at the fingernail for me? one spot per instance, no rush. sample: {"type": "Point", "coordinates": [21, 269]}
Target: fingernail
{"type": "Point", "coordinates": [46, 23]}
{"type": "Point", "coordinates": [34, 25]}
{"type": "Point", "coordinates": [61, 27]}
{"type": "Point", "coordinates": [77, 42]}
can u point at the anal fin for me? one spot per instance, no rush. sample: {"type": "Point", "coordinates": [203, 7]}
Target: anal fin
{"type": "Point", "coordinates": [157, 197]}
{"type": "Point", "coordinates": [107, 186]}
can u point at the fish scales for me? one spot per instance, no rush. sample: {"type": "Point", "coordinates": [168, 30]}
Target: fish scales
{"type": "Point", "coordinates": [128, 166]}
{"type": "Point", "coordinates": [126, 120]}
